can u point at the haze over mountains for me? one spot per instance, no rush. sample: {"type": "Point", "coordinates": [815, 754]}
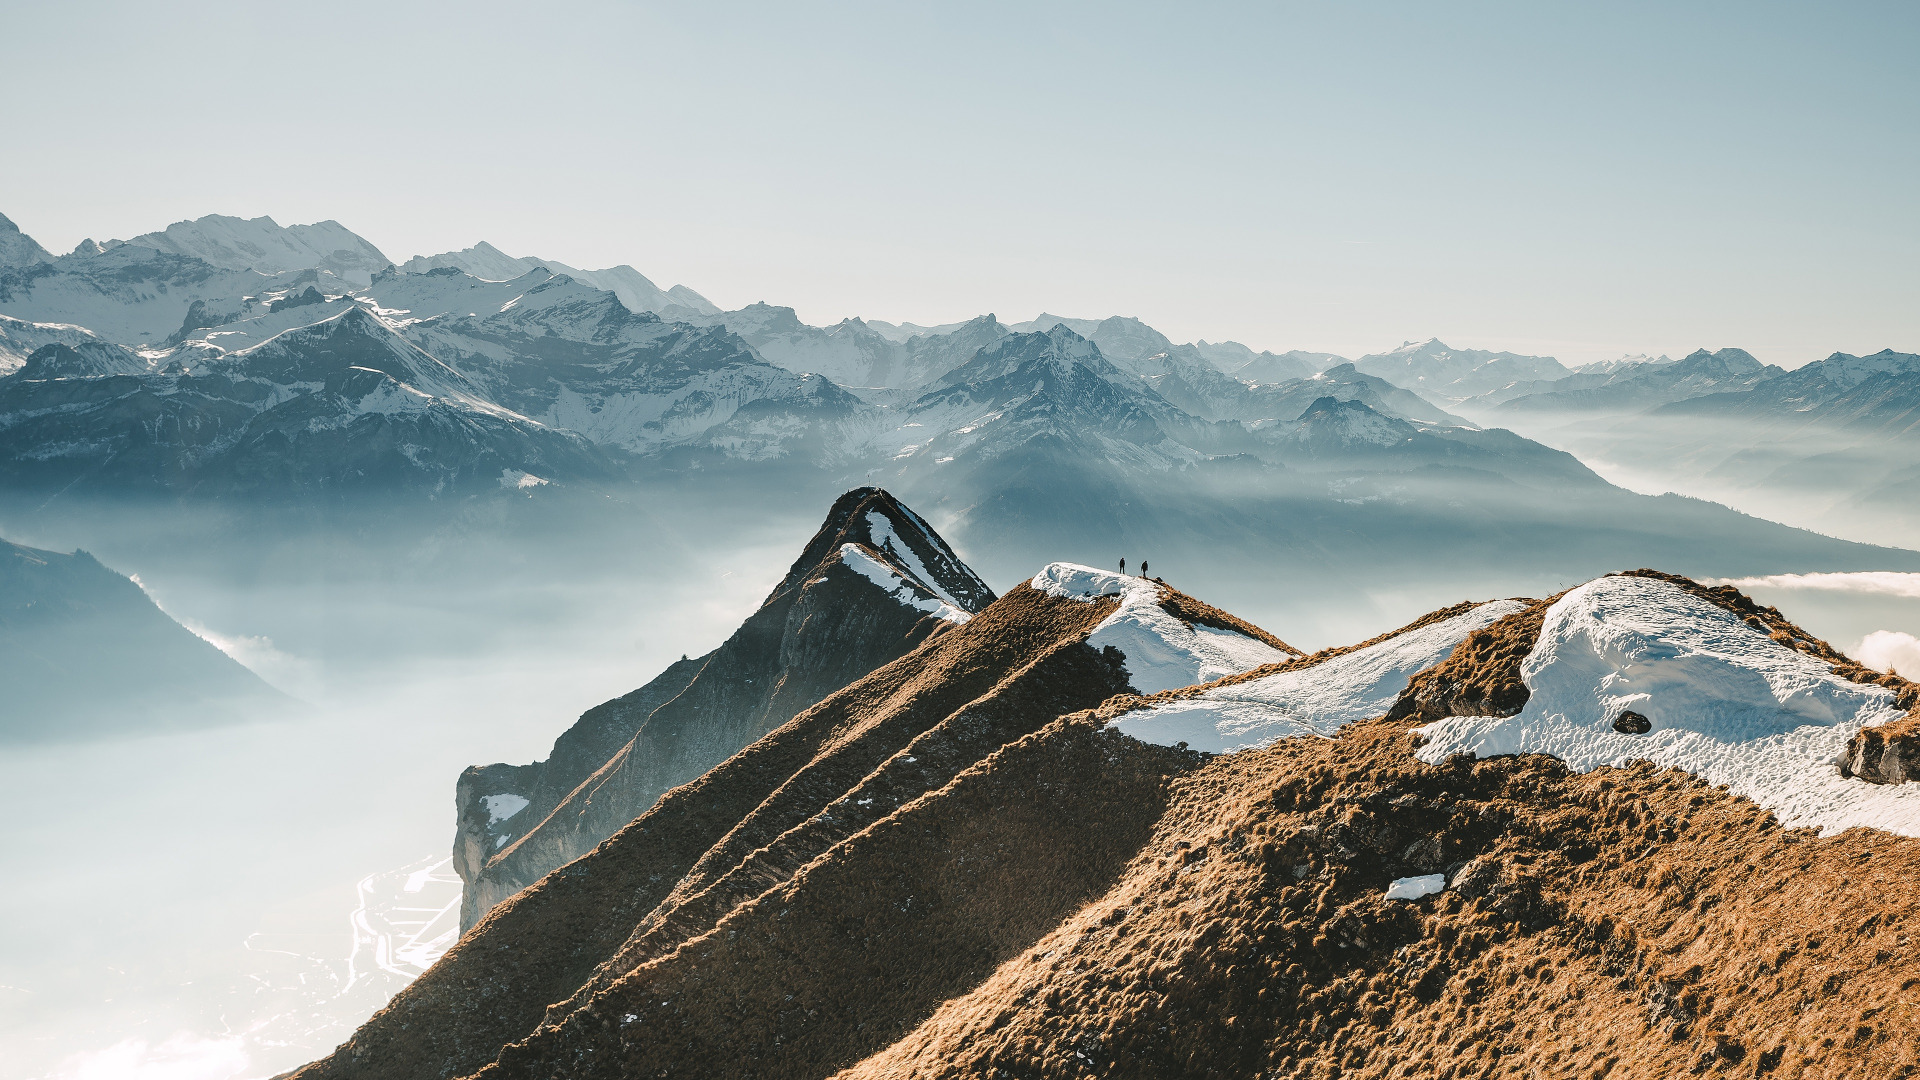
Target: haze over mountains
{"type": "Point", "coordinates": [224, 357]}
{"type": "Point", "coordinates": [1100, 827]}
{"type": "Point", "coordinates": [418, 483]}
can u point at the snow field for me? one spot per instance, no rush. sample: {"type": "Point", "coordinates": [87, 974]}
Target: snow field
{"type": "Point", "coordinates": [1413, 888]}
{"type": "Point", "coordinates": [885, 539]}
{"type": "Point", "coordinates": [855, 558]}
{"type": "Point", "coordinates": [1317, 700]}
{"type": "Point", "coordinates": [1726, 703]}
{"type": "Point", "coordinates": [1162, 652]}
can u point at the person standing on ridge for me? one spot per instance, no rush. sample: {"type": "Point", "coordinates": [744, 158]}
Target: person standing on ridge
{"type": "Point", "coordinates": [1143, 568]}
{"type": "Point", "coordinates": [1123, 566]}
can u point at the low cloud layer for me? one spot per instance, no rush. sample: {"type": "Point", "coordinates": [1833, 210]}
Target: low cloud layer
{"type": "Point", "coordinates": [1878, 582]}
{"type": "Point", "coordinates": [1890, 650]}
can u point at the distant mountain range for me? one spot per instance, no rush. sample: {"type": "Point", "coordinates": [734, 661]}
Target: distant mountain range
{"type": "Point", "coordinates": [1832, 445]}
{"type": "Point", "coordinates": [206, 360]}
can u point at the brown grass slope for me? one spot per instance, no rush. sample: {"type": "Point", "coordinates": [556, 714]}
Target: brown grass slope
{"type": "Point", "coordinates": [1009, 670]}
{"type": "Point", "coordinates": [869, 939]}
{"type": "Point", "coordinates": [883, 759]}
{"type": "Point", "coordinates": [1624, 922]}
{"type": "Point", "coordinates": [821, 628]}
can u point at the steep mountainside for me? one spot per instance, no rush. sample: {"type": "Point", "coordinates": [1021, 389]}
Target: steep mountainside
{"type": "Point", "coordinates": [574, 357]}
{"type": "Point", "coordinates": [17, 248]}
{"type": "Point", "coordinates": [489, 263]}
{"type": "Point", "coordinates": [1449, 375]}
{"type": "Point", "coordinates": [19, 339]}
{"type": "Point", "coordinates": [847, 807]}
{"type": "Point", "coordinates": [265, 246]}
{"type": "Point", "coordinates": [136, 295]}
{"type": "Point", "coordinates": [84, 652]}
{"type": "Point", "coordinates": [340, 405]}
{"type": "Point", "coordinates": [889, 887]}
{"type": "Point", "coordinates": [871, 585]}
{"type": "Point", "coordinates": [1639, 387]}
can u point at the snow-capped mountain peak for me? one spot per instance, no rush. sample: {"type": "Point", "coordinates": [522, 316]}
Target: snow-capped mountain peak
{"type": "Point", "coordinates": [265, 246]}
{"type": "Point", "coordinates": [17, 248]}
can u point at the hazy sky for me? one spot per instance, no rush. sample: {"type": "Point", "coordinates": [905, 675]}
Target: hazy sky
{"type": "Point", "coordinates": [1582, 180]}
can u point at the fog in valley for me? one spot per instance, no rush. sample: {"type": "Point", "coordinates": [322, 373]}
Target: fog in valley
{"type": "Point", "coordinates": [231, 901]}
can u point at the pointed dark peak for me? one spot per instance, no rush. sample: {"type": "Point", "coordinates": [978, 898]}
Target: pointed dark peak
{"type": "Point", "coordinates": [873, 519]}
{"type": "Point", "coordinates": [1340, 371]}
{"type": "Point", "coordinates": [1329, 407]}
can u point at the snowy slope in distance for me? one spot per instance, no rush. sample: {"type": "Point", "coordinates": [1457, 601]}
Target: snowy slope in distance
{"type": "Point", "coordinates": [263, 245]}
{"type": "Point", "coordinates": [1726, 703]}
{"type": "Point", "coordinates": [1317, 700]}
{"type": "Point", "coordinates": [855, 558]}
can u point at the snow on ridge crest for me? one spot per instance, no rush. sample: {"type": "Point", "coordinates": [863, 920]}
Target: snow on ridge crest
{"type": "Point", "coordinates": [886, 539]}
{"type": "Point", "coordinates": [855, 558]}
{"type": "Point", "coordinates": [1726, 703]}
{"type": "Point", "coordinates": [1162, 651]}
{"type": "Point", "coordinates": [1316, 700]}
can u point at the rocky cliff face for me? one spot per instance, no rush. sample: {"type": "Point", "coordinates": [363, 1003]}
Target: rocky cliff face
{"type": "Point", "coordinates": [873, 583]}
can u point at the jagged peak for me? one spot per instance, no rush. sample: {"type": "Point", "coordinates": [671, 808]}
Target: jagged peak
{"type": "Point", "coordinates": [871, 518]}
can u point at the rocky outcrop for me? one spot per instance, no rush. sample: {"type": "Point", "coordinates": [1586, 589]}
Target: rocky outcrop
{"type": "Point", "coordinates": [874, 583]}
{"type": "Point", "coordinates": [934, 873]}
{"type": "Point", "coordinates": [1885, 754]}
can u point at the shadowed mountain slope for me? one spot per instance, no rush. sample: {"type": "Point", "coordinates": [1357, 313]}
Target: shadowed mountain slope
{"type": "Point", "coordinates": [84, 652]}
{"type": "Point", "coordinates": [859, 895]}
{"type": "Point", "coordinates": [872, 584]}
{"type": "Point", "coordinates": [851, 791]}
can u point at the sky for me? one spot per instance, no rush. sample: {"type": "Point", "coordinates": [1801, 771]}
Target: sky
{"type": "Point", "coordinates": [1583, 181]}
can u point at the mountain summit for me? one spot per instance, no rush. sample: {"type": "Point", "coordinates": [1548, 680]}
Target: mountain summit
{"type": "Point", "coordinates": [957, 867]}
{"type": "Point", "coordinates": [17, 248]}
{"type": "Point", "coordinates": [873, 584]}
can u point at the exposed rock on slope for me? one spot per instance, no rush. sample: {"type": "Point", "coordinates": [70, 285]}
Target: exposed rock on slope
{"type": "Point", "coordinates": [1715, 687]}
{"type": "Point", "coordinates": [342, 404]}
{"type": "Point", "coordinates": [873, 583]}
{"type": "Point", "coordinates": [915, 813]}
{"type": "Point", "coordinates": [901, 883]}
{"type": "Point", "coordinates": [84, 652]}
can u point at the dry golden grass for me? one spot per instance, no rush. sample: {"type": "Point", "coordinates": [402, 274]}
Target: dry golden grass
{"type": "Point", "coordinates": [1069, 902]}
{"type": "Point", "coordinates": [1624, 923]}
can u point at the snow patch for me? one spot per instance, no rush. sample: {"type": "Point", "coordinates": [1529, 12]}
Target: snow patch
{"type": "Point", "coordinates": [1162, 651]}
{"type": "Point", "coordinates": [1413, 888]}
{"type": "Point", "coordinates": [856, 559]}
{"type": "Point", "coordinates": [1726, 703]}
{"type": "Point", "coordinates": [1317, 700]}
{"type": "Point", "coordinates": [514, 479]}
{"type": "Point", "coordinates": [885, 539]}
{"type": "Point", "coordinates": [502, 807]}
